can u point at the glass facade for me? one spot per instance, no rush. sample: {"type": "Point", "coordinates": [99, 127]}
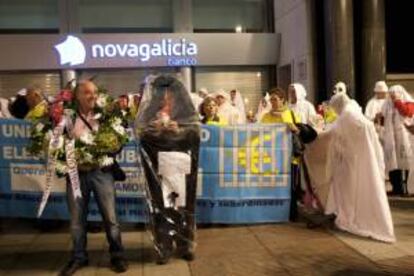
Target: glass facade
{"type": "Point", "coordinates": [132, 16]}
{"type": "Point", "coordinates": [251, 81]}
{"type": "Point", "coordinates": [119, 82]}
{"type": "Point", "coordinates": [126, 16]}
{"type": "Point", "coordinates": [28, 16]}
{"type": "Point", "coordinates": [10, 83]}
{"type": "Point", "coordinates": [143, 16]}
{"type": "Point", "coordinates": [247, 16]}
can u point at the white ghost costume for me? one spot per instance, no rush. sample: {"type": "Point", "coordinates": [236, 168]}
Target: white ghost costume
{"type": "Point", "coordinates": [339, 88]}
{"type": "Point", "coordinates": [355, 171]}
{"type": "Point", "coordinates": [226, 110]}
{"type": "Point", "coordinates": [397, 140]}
{"type": "Point", "coordinates": [302, 107]}
{"type": "Point", "coordinates": [374, 105]}
{"type": "Point", "coordinates": [263, 108]}
{"type": "Point", "coordinates": [238, 103]}
{"type": "Point", "coordinates": [4, 109]}
{"type": "Point", "coordinates": [197, 100]}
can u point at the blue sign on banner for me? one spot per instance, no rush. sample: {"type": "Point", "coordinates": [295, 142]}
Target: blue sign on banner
{"type": "Point", "coordinates": [244, 177]}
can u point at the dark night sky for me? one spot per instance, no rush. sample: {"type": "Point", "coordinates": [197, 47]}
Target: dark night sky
{"type": "Point", "coordinates": [400, 35]}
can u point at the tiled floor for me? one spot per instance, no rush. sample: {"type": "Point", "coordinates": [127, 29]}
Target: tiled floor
{"type": "Point", "coordinates": [280, 249]}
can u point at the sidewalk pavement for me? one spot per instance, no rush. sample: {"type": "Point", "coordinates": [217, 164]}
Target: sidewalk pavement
{"type": "Point", "coordinates": [271, 249]}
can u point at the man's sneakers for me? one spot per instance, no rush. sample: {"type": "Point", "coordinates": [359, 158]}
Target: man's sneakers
{"type": "Point", "coordinates": [72, 266]}
{"type": "Point", "coordinates": [119, 265]}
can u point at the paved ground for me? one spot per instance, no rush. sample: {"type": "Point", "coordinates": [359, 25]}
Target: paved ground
{"type": "Point", "coordinates": [284, 249]}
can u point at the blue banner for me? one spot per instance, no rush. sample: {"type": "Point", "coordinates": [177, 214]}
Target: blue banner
{"type": "Point", "coordinates": [244, 177]}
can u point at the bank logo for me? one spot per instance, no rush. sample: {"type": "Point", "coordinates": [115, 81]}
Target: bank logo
{"type": "Point", "coordinates": [71, 51]}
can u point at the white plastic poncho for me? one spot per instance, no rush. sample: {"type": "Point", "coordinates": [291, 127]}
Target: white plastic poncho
{"type": "Point", "coordinates": [397, 144]}
{"type": "Point", "coordinates": [263, 108]}
{"type": "Point", "coordinates": [197, 100]}
{"type": "Point", "coordinates": [374, 106]}
{"type": "Point", "coordinates": [302, 107]}
{"type": "Point", "coordinates": [4, 108]}
{"type": "Point", "coordinates": [356, 171]}
{"type": "Point", "coordinates": [226, 110]}
{"type": "Point", "coordinates": [238, 103]}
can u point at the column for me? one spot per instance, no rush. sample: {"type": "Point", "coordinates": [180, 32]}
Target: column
{"type": "Point", "coordinates": [373, 59]}
{"type": "Point", "coordinates": [339, 44]}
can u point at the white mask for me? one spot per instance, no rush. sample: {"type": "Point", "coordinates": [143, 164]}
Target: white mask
{"type": "Point", "coordinates": [340, 87]}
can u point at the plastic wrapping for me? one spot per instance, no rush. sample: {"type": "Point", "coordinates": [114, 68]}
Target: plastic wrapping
{"type": "Point", "coordinates": [169, 131]}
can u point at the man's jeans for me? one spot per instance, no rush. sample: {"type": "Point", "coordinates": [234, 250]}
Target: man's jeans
{"type": "Point", "coordinates": [102, 185]}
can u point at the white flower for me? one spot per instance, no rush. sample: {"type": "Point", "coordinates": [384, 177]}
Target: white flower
{"type": "Point", "coordinates": [61, 168]}
{"type": "Point", "coordinates": [124, 113]}
{"type": "Point", "coordinates": [39, 127]}
{"type": "Point", "coordinates": [88, 158]}
{"type": "Point", "coordinates": [49, 135]}
{"type": "Point", "coordinates": [102, 100]}
{"type": "Point", "coordinates": [106, 161]}
{"type": "Point", "coordinates": [120, 129]}
{"type": "Point", "coordinates": [58, 143]}
{"type": "Point", "coordinates": [117, 121]}
{"type": "Point", "coordinates": [69, 112]}
{"type": "Point", "coordinates": [87, 138]}
{"type": "Point", "coordinates": [97, 116]}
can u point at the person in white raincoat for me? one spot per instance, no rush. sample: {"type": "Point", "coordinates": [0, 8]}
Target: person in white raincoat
{"type": "Point", "coordinates": [263, 108]}
{"type": "Point", "coordinates": [357, 195]}
{"type": "Point", "coordinates": [299, 104]}
{"type": "Point", "coordinates": [397, 141]}
{"type": "Point", "coordinates": [237, 102]}
{"type": "Point", "coordinates": [375, 105]}
{"type": "Point", "coordinates": [225, 109]}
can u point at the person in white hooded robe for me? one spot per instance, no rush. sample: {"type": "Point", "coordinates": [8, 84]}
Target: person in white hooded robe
{"type": "Point", "coordinates": [263, 108]}
{"type": "Point", "coordinates": [237, 101]}
{"type": "Point", "coordinates": [225, 109]}
{"type": "Point", "coordinates": [299, 104]}
{"type": "Point", "coordinates": [373, 110]}
{"type": "Point", "coordinates": [340, 87]}
{"type": "Point", "coordinates": [357, 194]}
{"type": "Point", "coordinates": [4, 109]}
{"type": "Point", "coordinates": [397, 141]}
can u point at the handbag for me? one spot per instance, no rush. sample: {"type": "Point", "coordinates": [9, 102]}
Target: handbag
{"type": "Point", "coordinates": [307, 133]}
{"type": "Point", "coordinates": [298, 148]}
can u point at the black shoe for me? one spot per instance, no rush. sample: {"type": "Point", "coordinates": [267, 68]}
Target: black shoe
{"type": "Point", "coordinates": [163, 257]}
{"type": "Point", "coordinates": [188, 255]}
{"type": "Point", "coordinates": [72, 266]}
{"type": "Point", "coordinates": [119, 265]}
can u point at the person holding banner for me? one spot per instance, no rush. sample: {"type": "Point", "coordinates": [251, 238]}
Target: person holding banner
{"type": "Point", "coordinates": [92, 179]}
{"type": "Point", "coordinates": [38, 105]}
{"type": "Point", "coordinates": [281, 114]}
{"type": "Point", "coordinates": [169, 131]}
{"type": "Point", "coordinates": [209, 113]}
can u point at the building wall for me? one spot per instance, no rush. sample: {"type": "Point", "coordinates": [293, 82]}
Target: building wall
{"type": "Point", "coordinates": [293, 22]}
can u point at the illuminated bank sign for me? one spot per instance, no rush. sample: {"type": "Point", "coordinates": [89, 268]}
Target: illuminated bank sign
{"type": "Point", "coordinates": [176, 52]}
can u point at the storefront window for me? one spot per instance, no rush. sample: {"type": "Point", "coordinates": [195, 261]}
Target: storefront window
{"type": "Point", "coordinates": [11, 83]}
{"type": "Point", "coordinates": [121, 81]}
{"type": "Point", "coordinates": [28, 16]}
{"type": "Point", "coordinates": [247, 16]}
{"type": "Point", "coordinates": [126, 16]}
{"type": "Point", "coordinates": [251, 81]}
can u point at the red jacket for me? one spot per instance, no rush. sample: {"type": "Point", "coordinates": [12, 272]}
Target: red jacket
{"type": "Point", "coordinates": [406, 109]}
